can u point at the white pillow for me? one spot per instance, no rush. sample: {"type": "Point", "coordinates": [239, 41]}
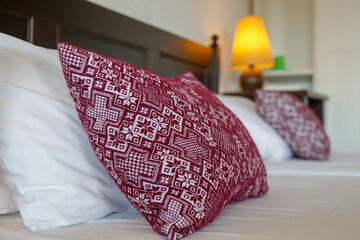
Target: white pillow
{"type": "Point", "coordinates": [53, 174]}
{"type": "Point", "coordinates": [271, 145]}
{"type": "Point", "coordinates": [7, 205]}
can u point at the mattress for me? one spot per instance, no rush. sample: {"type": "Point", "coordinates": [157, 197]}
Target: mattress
{"type": "Point", "coordinates": [306, 200]}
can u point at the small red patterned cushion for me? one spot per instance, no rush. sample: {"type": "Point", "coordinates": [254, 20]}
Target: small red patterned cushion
{"type": "Point", "coordinates": [177, 153]}
{"type": "Point", "coordinates": [295, 122]}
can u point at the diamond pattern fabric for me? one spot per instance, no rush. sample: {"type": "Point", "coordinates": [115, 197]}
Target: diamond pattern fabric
{"type": "Point", "coordinates": [295, 122]}
{"type": "Point", "coordinates": [177, 153]}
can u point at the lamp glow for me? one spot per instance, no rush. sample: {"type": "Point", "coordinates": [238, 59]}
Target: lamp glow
{"type": "Point", "coordinates": [251, 51]}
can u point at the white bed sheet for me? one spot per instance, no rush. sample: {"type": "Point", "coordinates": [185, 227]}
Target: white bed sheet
{"type": "Point", "coordinates": [307, 200]}
{"type": "Point", "coordinates": [339, 164]}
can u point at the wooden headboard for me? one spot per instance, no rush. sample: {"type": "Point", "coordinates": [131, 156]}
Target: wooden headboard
{"type": "Point", "coordinates": [46, 22]}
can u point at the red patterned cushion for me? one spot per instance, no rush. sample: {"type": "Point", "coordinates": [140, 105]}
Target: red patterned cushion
{"type": "Point", "coordinates": [295, 122]}
{"type": "Point", "coordinates": [177, 153]}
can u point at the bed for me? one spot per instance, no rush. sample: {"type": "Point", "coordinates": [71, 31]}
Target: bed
{"type": "Point", "coordinates": [307, 199]}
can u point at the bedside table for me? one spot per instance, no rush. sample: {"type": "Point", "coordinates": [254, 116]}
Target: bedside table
{"type": "Point", "coordinates": [314, 100]}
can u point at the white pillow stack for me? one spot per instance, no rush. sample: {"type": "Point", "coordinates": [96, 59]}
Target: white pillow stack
{"type": "Point", "coordinates": [48, 164]}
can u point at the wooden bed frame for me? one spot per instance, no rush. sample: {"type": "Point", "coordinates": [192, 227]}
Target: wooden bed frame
{"type": "Point", "coordinates": [46, 22]}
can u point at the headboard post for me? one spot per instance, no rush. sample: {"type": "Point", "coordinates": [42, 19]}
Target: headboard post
{"type": "Point", "coordinates": [214, 67]}
{"type": "Point", "coordinates": [42, 32]}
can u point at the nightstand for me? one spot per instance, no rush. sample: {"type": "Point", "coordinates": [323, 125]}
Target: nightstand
{"type": "Point", "coordinates": [314, 100]}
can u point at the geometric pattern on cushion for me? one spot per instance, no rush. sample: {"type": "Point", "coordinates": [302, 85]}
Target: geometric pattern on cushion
{"type": "Point", "coordinates": [177, 153]}
{"type": "Point", "coordinates": [295, 122]}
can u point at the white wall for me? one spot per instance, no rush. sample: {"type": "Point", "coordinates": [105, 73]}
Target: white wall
{"type": "Point", "coordinates": [337, 68]}
{"type": "Point", "coordinates": [196, 20]}
{"type": "Point", "coordinates": [289, 25]}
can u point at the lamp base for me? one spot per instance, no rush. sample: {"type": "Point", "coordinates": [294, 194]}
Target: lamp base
{"type": "Point", "coordinates": [251, 79]}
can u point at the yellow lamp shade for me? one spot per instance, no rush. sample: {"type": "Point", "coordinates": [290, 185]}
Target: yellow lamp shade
{"type": "Point", "coordinates": [251, 44]}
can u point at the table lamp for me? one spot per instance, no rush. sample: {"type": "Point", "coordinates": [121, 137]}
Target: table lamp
{"type": "Point", "coordinates": [251, 51]}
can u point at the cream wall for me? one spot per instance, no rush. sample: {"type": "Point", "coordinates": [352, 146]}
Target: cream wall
{"type": "Point", "coordinates": [290, 27]}
{"type": "Point", "coordinates": [289, 24]}
{"type": "Point", "coordinates": [196, 20]}
{"type": "Point", "coordinates": [337, 71]}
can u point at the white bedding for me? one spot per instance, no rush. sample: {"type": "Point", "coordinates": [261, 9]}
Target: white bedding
{"type": "Point", "coordinates": [306, 200]}
{"type": "Point", "coordinates": [339, 164]}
